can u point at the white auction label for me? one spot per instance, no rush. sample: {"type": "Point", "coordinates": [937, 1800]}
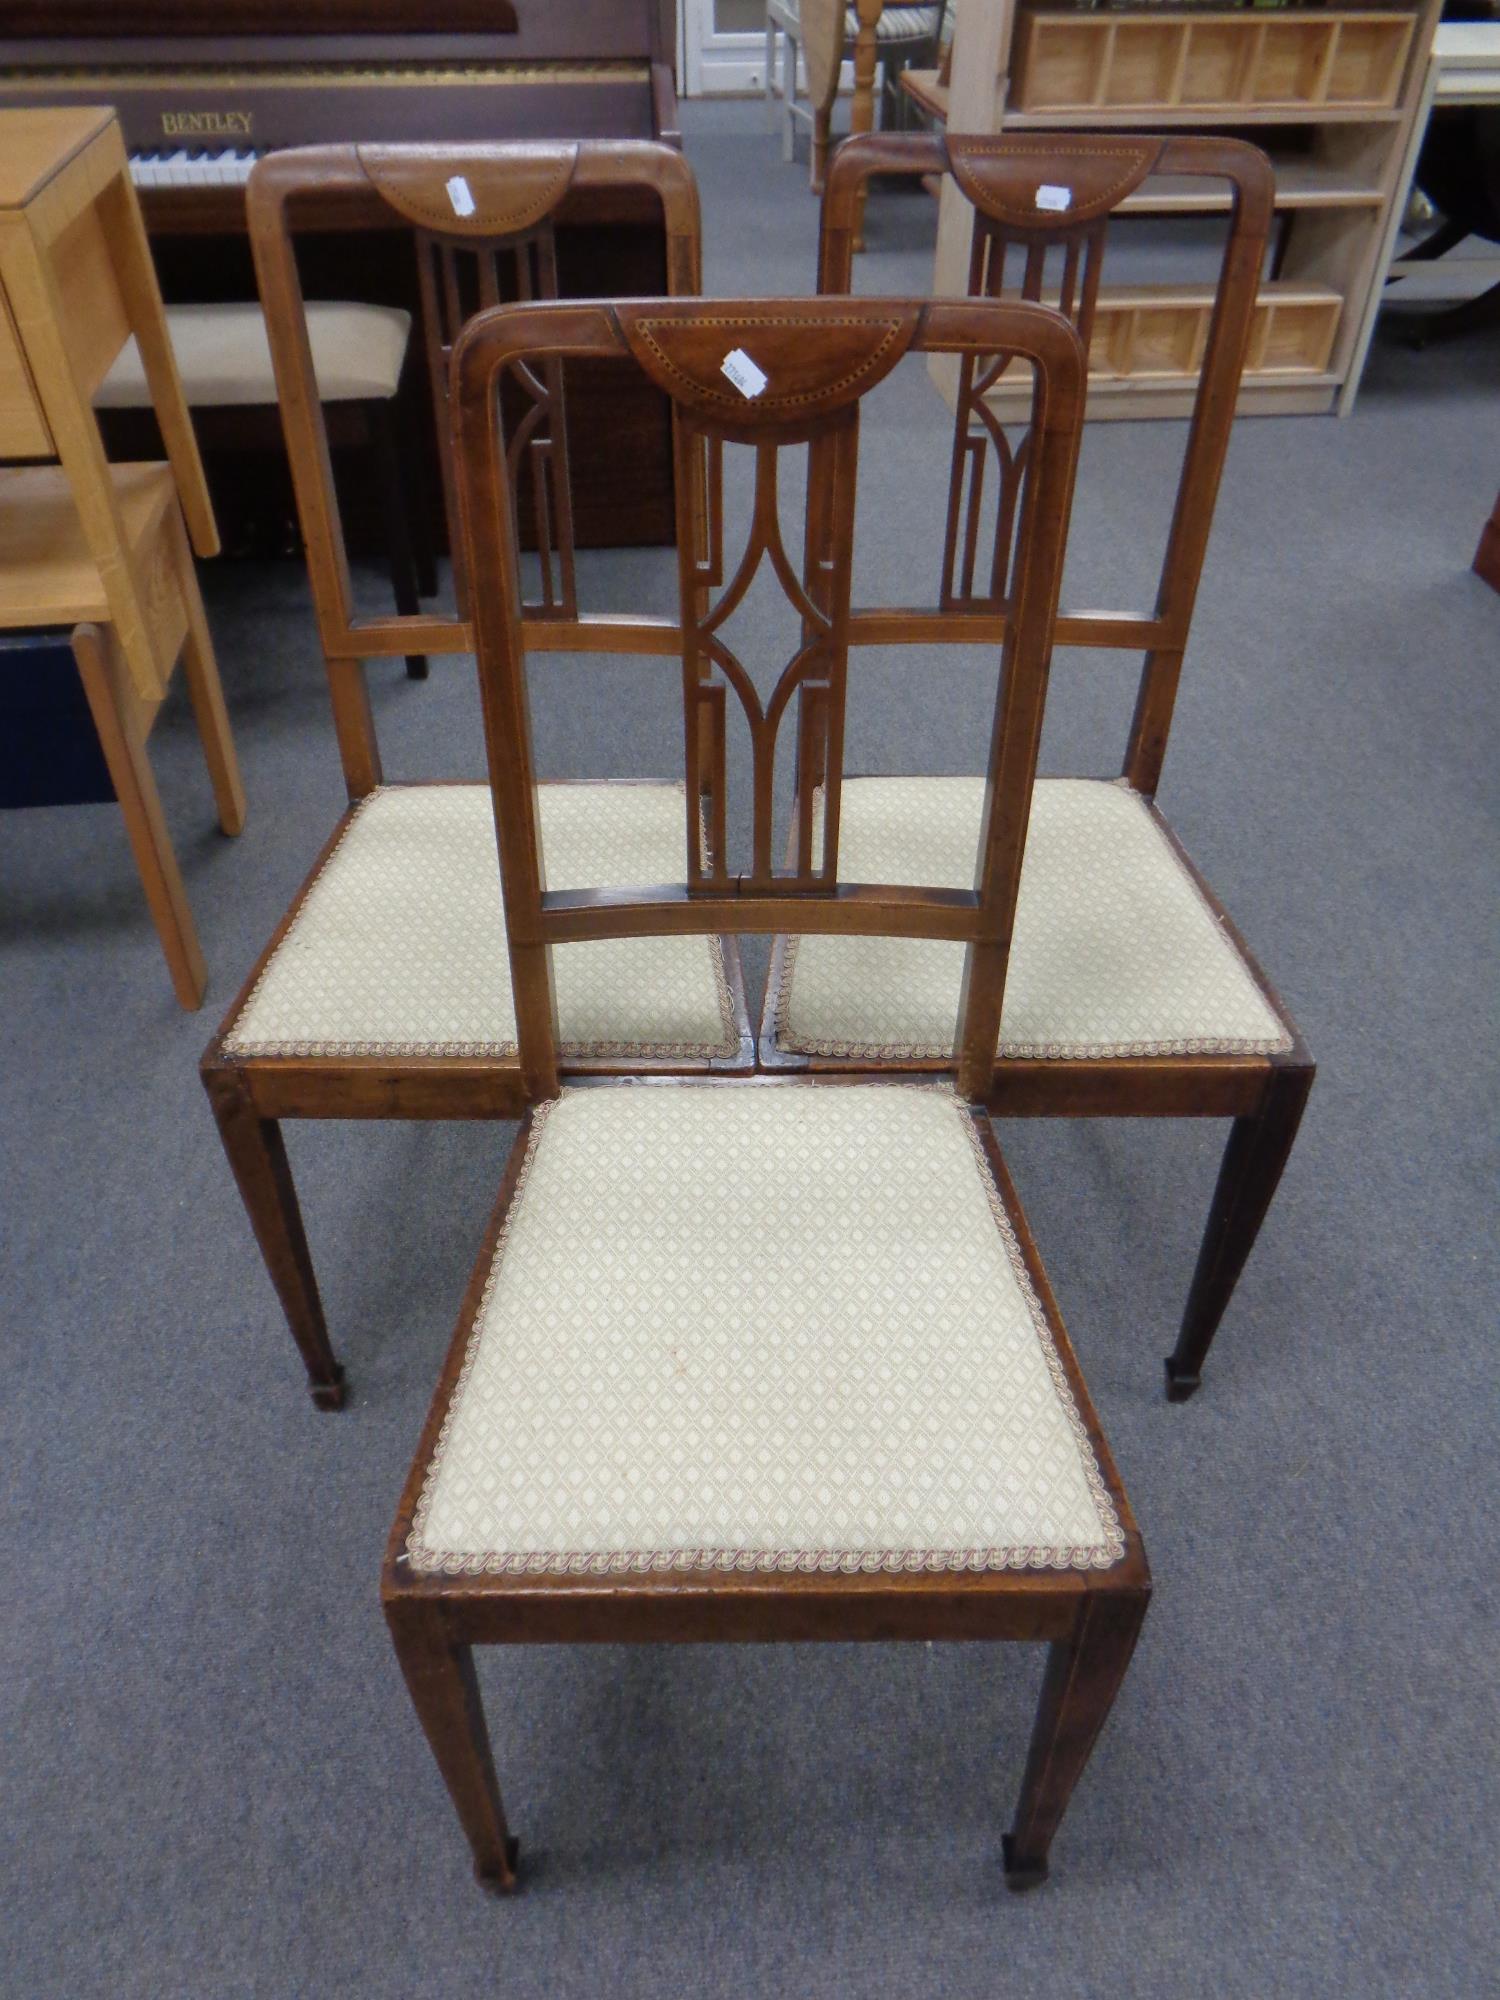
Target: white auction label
{"type": "Point", "coordinates": [462, 200]}
{"type": "Point", "coordinates": [743, 373]}
{"type": "Point", "coordinates": [1055, 198]}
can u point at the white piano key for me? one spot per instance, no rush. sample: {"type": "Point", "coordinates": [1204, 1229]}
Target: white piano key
{"type": "Point", "coordinates": [230, 168]}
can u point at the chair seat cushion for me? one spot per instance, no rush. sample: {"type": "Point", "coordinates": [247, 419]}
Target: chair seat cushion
{"type": "Point", "coordinates": [760, 1326]}
{"type": "Point", "coordinates": [1116, 952]}
{"type": "Point", "coordinates": [224, 357]}
{"type": "Point", "coordinates": [897, 24]}
{"type": "Point", "coordinates": [398, 948]}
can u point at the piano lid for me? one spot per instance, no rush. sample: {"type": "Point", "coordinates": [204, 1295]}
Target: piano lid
{"type": "Point", "coordinates": [164, 33]}
{"type": "Point", "coordinates": [162, 20]}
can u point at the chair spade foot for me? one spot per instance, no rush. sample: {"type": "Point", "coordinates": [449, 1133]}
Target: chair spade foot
{"type": "Point", "coordinates": [330, 1395]}
{"type": "Point", "coordinates": [501, 1881]}
{"type": "Point", "coordinates": [1182, 1382]}
{"type": "Point", "coordinates": [1020, 1873]}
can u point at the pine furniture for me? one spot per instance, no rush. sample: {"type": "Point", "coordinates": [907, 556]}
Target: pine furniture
{"type": "Point", "coordinates": [85, 544]}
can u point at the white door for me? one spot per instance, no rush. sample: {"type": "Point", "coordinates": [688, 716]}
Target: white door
{"type": "Point", "coordinates": [723, 45]}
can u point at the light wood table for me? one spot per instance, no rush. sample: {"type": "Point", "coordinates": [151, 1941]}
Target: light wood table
{"type": "Point", "coordinates": [103, 548]}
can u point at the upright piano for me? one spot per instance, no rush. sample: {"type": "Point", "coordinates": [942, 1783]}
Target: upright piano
{"type": "Point", "coordinates": [204, 87]}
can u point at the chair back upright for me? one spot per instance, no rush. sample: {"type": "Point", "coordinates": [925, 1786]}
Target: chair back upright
{"type": "Point", "coordinates": [761, 376]}
{"type": "Point", "coordinates": [1041, 204]}
{"type": "Point", "coordinates": [482, 218]}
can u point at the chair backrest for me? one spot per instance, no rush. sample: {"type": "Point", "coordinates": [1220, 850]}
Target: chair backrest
{"type": "Point", "coordinates": [482, 217]}
{"type": "Point", "coordinates": [1041, 205]}
{"type": "Point", "coordinates": [796, 371]}
{"type": "Point", "coordinates": [76, 281]}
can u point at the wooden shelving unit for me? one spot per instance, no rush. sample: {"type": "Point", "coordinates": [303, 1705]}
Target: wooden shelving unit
{"type": "Point", "coordinates": [1148, 340]}
{"type": "Point", "coordinates": [1301, 182]}
{"type": "Point", "coordinates": [1156, 330]}
{"type": "Point", "coordinates": [1215, 65]}
{"type": "Point", "coordinates": [1332, 93]}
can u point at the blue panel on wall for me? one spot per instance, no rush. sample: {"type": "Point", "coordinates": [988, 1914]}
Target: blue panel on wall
{"type": "Point", "coordinates": [49, 747]}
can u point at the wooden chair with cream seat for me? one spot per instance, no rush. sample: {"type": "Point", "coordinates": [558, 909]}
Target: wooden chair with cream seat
{"type": "Point", "coordinates": [385, 991]}
{"type": "Point", "coordinates": [1131, 993]}
{"type": "Point", "coordinates": [769, 1359]}
{"type": "Point", "coordinates": [825, 34]}
{"type": "Point", "coordinates": [103, 548]}
{"type": "Point", "coordinates": [358, 356]}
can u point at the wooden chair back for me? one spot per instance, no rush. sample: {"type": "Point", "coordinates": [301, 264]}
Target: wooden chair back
{"type": "Point", "coordinates": [460, 278]}
{"type": "Point", "coordinates": [1041, 204]}
{"type": "Point", "coordinates": [76, 281]}
{"type": "Point", "coordinates": [482, 217]}
{"type": "Point", "coordinates": [804, 367]}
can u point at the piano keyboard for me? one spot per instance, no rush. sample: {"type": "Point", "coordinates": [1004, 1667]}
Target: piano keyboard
{"type": "Point", "coordinates": [185, 169]}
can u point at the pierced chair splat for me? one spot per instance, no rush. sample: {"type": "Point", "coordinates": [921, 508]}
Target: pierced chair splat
{"type": "Point", "coordinates": [385, 991]}
{"type": "Point", "coordinates": [473, 249]}
{"type": "Point", "coordinates": [772, 1358]}
{"type": "Point", "coordinates": [1130, 993]}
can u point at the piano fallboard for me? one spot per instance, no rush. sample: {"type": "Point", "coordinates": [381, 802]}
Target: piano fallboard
{"type": "Point", "coordinates": [205, 114]}
{"type": "Point", "coordinates": [301, 105]}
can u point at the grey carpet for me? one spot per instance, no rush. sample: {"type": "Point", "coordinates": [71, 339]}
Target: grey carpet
{"type": "Point", "coordinates": [212, 1780]}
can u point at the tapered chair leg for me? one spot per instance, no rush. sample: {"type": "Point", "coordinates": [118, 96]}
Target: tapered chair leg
{"type": "Point", "coordinates": [1083, 1676]}
{"type": "Point", "coordinates": [822, 139]}
{"type": "Point", "coordinates": [422, 507]}
{"type": "Point", "coordinates": [261, 1171]}
{"type": "Point", "coordinates": [1257, 1152]}
{"type": "Point", "coordinates": [439, 1675]}
{"type": "Point", "coordinates": [206, 693]}
{"type": "Point", "coordinates": [398, 541]}
{"type": "Point", "coordinates": [122, 722]}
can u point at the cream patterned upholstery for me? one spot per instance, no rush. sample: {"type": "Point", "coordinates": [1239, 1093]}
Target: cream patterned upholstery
{"type": "Point", "coordinates": [760, 1327]}
{"type": "Point", "coordinates": [896, 24]}
{"type": "Point", "coordinates": [1115, 953]}
{"type": "Point", "coordinates": [223, 356]}
{"type": "Point", "coordinates": [399, 946]}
